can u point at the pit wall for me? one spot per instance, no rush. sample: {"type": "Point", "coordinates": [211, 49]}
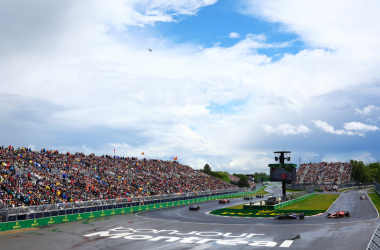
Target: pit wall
{"type": "Point", "coordinates": [283, 204]}
{"type": "Point", "coordinates": [6, 226]}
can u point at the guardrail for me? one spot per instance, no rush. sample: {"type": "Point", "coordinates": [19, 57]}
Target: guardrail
{"type": "Point", "coordinates": [374, 243]}
{"type": "Point", "coordinates": [27, 217]}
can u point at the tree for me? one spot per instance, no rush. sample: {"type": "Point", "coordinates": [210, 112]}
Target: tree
{"type": "Point", "coordinates": [207, 169]}
{"type": "Point", "coordinates": [243, 182]}
{"type": "Point", "coordinates": [364, 173]}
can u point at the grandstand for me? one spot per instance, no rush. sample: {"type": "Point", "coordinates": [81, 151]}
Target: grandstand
{"type": "Point", "coordinates": [324, 173]}
{"type": "Point", "coordinates": [45, 177]}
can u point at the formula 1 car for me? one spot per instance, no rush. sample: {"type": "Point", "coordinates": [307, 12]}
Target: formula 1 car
{"type": "Point", "coordinates": [290, 216]}
{"type": "Point", "coordinates": [224, 201]}
{"type": "Point", "coordinates": [259, 196]}
{"type": "Point", "coordinates": [338, 214]}
{"type": "Point", "coordinates": [248, 198]}
{"type": "Point", "coordinates": [363, 197]}
{"type": "Point", "coordinates": [194, 207]}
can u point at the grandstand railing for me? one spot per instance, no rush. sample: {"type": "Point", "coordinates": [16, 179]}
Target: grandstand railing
{"type": "Point", "coordinates": [48, 210]}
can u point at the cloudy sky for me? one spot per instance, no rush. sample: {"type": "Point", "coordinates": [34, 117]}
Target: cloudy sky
{"type": "Point", "coordinates": [227, 82]}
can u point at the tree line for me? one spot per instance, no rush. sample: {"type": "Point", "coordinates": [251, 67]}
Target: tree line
{"type": "Point", "coordinates": [243, 182]}
{"type": "Point", "coordinates": [365, 173]}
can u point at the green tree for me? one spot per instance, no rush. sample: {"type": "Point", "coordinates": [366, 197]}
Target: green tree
{"type": "Point", "coordinates": [363, 173]}
{"type": "Point", "coordinates": [207, 168]}
{"type": "Point", "coordinates": [243, 182]}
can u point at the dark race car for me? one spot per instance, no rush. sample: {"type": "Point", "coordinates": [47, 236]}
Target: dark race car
{"type": "Point", "coordinates": [290, 216]}
{"type": "Point", "coordinates": [338, 214]}
{"type": "Point", "coordinates": [259, 196]}
{"type": "Point", "coordinates": [194, 207]}
{"type": "Point", "coordinates": [363, 197]}
{"type": "Point", "coordinates": [248, 198]}
{"type": "Point", "coordinates": [224, 201]}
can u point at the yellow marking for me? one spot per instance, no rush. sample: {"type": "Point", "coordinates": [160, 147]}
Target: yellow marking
{"type": "Point", "coordinates": [18, 230]}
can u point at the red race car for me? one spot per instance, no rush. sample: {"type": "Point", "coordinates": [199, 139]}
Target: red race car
{"type": "Point", "coordinates": [224, 201]}
{"type": "Point", "coordinates": [363, 197]}
{"type": "Point", "coordinates": [339, 214]}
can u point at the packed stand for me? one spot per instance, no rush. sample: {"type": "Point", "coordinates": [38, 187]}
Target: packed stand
{"type": "Point", "coordinates": [32, 178]}
{"type": "Point", "coordinates": [330, 172]}
{"type": "Point", "coordinates": [301, 171]}
{"type": "Point", "coordinates": [346, 174]}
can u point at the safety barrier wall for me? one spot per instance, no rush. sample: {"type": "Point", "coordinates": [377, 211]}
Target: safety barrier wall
{"type": "Point", "coordinates": [377, 186]}
{"type": "Point", "coordinates": [10, 214]}
{"type": "Point", "coordinates": [286, 203]}
{"type": "Point", "coordinates": [107, 212]}
{"type": "Point", "coordinates": [374, 243]}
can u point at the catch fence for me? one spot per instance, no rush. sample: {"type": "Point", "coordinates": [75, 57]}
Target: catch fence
{"type": "Point", "coordinates": [12, 214]}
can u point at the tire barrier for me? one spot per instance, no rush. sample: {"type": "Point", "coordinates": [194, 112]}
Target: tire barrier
{"type": "Point", "coordinates": [107, 211]}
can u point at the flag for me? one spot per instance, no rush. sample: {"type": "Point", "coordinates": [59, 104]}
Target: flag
{"type": "Point", "coordinates": [113, 150]}
{"type": "Point", "coordinates": [175, 158]}
{"type": "Point", "coordinates": [142, 153]}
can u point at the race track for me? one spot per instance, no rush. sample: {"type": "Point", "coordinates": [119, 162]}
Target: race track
{"type": "Point", "coordinates": [360, 210]}
{"type": "Point", "coordinates": [179, 228]}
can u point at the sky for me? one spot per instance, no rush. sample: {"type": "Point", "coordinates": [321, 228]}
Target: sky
{"type": "Point", "coordinates": [227, 83]}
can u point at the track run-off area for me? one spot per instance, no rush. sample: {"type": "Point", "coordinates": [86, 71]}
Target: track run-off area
{"type": "Point", "coordinates": [179, 228]}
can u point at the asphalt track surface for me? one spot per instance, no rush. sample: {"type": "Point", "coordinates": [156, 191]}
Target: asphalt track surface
{"type": "Point", "coordinates": [143, 231]}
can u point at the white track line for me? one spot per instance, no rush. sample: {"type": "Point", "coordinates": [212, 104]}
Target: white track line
{"type": "Point", "coordinates": [333, 203]}
{"type": "Point", "coordinates": [372, 203]}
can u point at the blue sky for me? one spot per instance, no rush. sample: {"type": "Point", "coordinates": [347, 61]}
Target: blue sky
{"type": "Point", "coordinates": [292, 74]}
{"type": "Point", "coordinates": [212, 25]}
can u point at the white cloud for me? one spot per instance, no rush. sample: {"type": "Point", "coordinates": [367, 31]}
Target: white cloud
{"type": "Point", "coordinates": [367, 110]}
{"type": "Point", "coordinates": [331, 158]}
{"type": "Point", "coordinates": [286, 129]}
{"type": "Point", "coordinates": [234, 35]}
{"type": "Point", "coordinates": [313, 155]}
{"type": "Point", "coordinates": [358, 127]}
{"type": "Point", "coordinates": [86, 73]}
{"type": "Point", "coordinates": [366, 158]}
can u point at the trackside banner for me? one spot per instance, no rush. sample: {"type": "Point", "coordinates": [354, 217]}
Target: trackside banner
{"type": "Point", "coordinates": [5, 226]}
{"type": "Point", "coordinates": [194, 237]}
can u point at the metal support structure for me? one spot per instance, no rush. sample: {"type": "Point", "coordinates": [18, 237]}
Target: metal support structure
{"type": "Point", "coordinates": [283, 188]}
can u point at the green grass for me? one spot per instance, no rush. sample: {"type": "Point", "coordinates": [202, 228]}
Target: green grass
{"type": "Point", "coordinates": [242, 205]}
{"type": "Point", "coordinates": [237, 207]}
{"type": "Point", "coordinates": [294, 191]}
{"type": "Point", "coordinates": [371, 190]}
{"type": "Point", "coordinates": [310, 206]}
{"type": "Point", "coordinates": [261, 191]}
{"type": "Point", "coordinates": [316, 202]}
{"type": "Point", "coordinates": [376, 200]}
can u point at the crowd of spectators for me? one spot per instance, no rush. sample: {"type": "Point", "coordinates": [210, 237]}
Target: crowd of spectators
{"type": "Point", "coordinates": [44, 177]}
{"type": "Point", "coordinates": [329, 171]}
{"type": "Point", "coordinates": [346, 172]}
{"type": "Point", "coordinates": [233, 178]}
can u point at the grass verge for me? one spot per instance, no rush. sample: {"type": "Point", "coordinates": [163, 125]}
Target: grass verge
{"type": "Point", "coordinates": [310, 206]}
{"type": "Point", "coordinates": [316, 202]}
{"type": "Point", "coordinates": [259, 191]}
{"type": "Point", "coordinates": [375, 199]}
